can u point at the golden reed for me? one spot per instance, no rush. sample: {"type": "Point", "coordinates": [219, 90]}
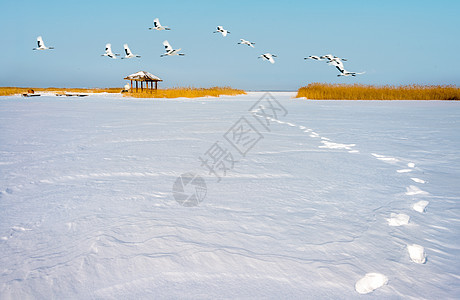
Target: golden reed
{"type": "Point", "coordinates": [323, 91]}
{"type": "Point", "coordinates": [186, 92]}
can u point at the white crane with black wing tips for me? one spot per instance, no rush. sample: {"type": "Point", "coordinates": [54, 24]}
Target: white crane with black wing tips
{"type": "Point", "coordinates": [337, 62]}
{"type": "Point", "coordinates": [344, 72]}
{"type": "Point", "coordinates": [268, 56]}
{"type": "Point", "coordinates": [314, 57]}
{"type": "Point", "coordinates": [221, 29]}
{"type": "Point", "coordinates": [108, 52]}
{"type": "Point", "coordinates": [331, 57]}
{"type": "Point", "coordinates": [244, 42]}
{"type": "Point", "coordinates": [170, 51]}
{"type": "Point", "coordinates": [339, 65]}
{"type": "Point", "coordinates": [41, 44]}
{"type": "Point", "coordinates": [128, 53]}
{"type": "Point", "coordinates": [157, 25]}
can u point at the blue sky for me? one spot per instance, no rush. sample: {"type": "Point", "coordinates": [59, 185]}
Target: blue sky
{"type": "Point", "coordinates": [395, 42]}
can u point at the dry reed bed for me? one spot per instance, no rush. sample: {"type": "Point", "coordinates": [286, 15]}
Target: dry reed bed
{"type": "Point", "coordinates": [186, 92]}
{"type": "Point", "coordinates": [161, 93]}
{"type": "Point", "coordinates": [322, 91]}
{"type": "Point", "coordinates": [8, 91]}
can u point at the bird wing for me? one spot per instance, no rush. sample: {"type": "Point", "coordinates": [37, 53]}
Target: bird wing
{"type": "Point", "coordinates": [156, 23]}
{"type": "Point", "coordinates": [167, 46]}
{"type": "Point", "coordinates": [268, 57]}
{"type": "Point", "coordinates": [108, 48]}
{"type": "Point", "coordinates": [176, 51]}
{"type": "Point", "coordinates": [340, 64]}
{"type": "Point", "coordinates": [337, 63]}
{"type": "Point", "coordinates": [220, 28]}
{"type": "Point", "coordinates": [40, 42]}
{"type": "Point", "coordinates": [127, 50]}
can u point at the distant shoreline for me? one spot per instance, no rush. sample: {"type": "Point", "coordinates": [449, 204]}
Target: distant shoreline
{"type": "Point", "coordinates": [180, 92]}
{"type": "Point", "coordinates": [313, 91]}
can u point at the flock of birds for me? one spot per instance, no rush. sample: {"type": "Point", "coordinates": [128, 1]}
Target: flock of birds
{"type": "Point", "coordinates": [170, 51]}
{"type": "Point", "coordinates": [128, 52]}
{"type": "Point", "coordinates": [266, 56]}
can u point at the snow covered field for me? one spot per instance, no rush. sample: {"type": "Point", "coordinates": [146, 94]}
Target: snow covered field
{"type": "Point", "coordinates": [324, 195]}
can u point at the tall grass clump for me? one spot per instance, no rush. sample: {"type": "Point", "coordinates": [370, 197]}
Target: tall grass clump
{"type": "Point", "coordinates": [9, 91]}
{"type": "Point", "coordinates": [187, 92]}
{"type": "Point", "coordinates": [324, 91]}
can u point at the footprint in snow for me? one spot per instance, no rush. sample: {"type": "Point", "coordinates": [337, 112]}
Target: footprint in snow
{"type": "Point", "coordinates": [370, 282]}
{"type": "Point", "coordinates": [331, 145]}
{"type": "Point", "coordinates": [418, 180]}
{"type": "Point", "coordinates": [413, 190]}
{"type": "Point", "coordinates": [417, 253]}
{"type": "Point", "coordinates": [384, 158]}
{"type": "Point", "coordinates": [420, 206]}
{"type": "Point", "coordinates": [19, 228]}
{"type": "Point", "coordinates": [8, 191]}
{"type": "Point", "coordinates": [14, 231]}
{"type": "Point", "coordinates": [398, 219]}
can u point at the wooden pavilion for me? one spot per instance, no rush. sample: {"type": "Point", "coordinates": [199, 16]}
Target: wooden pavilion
{"type": "Point", "coordinates": [143, 76]}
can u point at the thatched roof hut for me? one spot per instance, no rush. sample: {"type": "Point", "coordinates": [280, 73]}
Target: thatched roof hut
{"type": "Point", "coordinates": [143, 76]}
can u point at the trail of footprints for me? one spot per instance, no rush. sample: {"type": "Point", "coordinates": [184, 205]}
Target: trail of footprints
{"type": "Point", "coordinates": [373, 281]}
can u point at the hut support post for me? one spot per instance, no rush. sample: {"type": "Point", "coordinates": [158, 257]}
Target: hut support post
{"type": "Point", "coordinates": [156, 85]}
